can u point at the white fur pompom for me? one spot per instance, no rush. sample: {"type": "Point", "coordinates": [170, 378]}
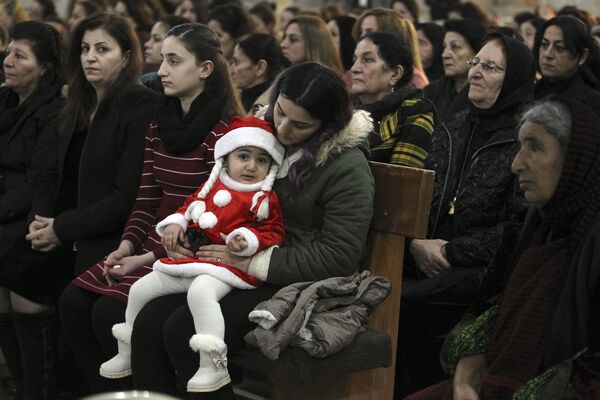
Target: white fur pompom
{"type": "Point", "coordinates": [222, 198]}
{"type": "Point", "coordinates": [263, 209]}
{"type": "Point", "coordinates": [207, 220]}
{"type": "Point", "coordinates": [194, 210]}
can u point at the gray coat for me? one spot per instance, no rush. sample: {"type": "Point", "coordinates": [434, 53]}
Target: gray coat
{"type": "Point", "coordinates": [321, 317]}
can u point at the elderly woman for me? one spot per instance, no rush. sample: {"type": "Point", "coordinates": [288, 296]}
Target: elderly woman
{"type": "Point", "coordinates": [569, 61]}
{"type": "Point", "coordinates": [544, 277]}
{"type": "Point", "coordinates": [462, 41]}
{"type": "Point", "coordinates": [404, 120]}
{"type": "Point", "coordinates": [473, 195]}
{"type": "Point", "coordinates": [29, 107]}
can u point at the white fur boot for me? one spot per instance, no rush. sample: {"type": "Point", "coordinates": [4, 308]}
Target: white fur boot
{"type": "Point", "coordinates": [212, 374]}
{"type": "Point", "coordinates": [120, 365]}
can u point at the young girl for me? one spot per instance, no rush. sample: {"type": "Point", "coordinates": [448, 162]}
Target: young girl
{"type": "Point", "coordinates": [237, 200]}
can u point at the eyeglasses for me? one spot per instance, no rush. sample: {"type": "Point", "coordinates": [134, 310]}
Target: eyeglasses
{"type": "Point", "coordinates": [487, 67]}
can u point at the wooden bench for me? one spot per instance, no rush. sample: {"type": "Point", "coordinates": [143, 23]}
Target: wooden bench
{"type": "Point", "coordinates": [366, 369]}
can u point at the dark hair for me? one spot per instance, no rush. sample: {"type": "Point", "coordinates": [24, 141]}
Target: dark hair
{"type": "Point", "coordinates": [435, 34]}
{"type": "Point", "coordinates": [470, 10]}
{"type": "Point", "coordinates": [307, 85]}
{"type": "Point", "coordinates": [202, 42]}
{"type": "Point", "coordinates": [523, 17]}
{"type": "Point", "coordinates": [233, 19]}
{"type": "Point", "coordinates": [46, 44]}
{"type": "Point", "coordinates": [345, 25]}
{"type": "Point", "coordinates": [264, 12]}
{"type": "Point", "coordinates": [217, 3]}
{"type": "Point", "coordinates": [47, 7]}
{"type": "Point", "coordinates": [582, 15]}
{"type": "Point", "coordinates": [81, 99]}
{"type": "Point", "coordinates": [472, 30]}
{"type": "Point", "coordinates": [172, 20]}
{"type": "Point", "coordinates": [261, 46]}
{"type": "Point", "coordinates": [411, 5]}
{"type": "Point", "coordinates": [393, 52]}
{"type": "Point", "coordinates": [140, 12]}
{"type": "Point", "coordinates": [89, 7]}
{"type": "Point", "coordinates": [576, 39]}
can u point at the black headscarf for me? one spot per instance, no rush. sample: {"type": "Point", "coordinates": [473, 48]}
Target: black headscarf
{"type": "Point", "coordinates": [345, 24]}
{"type": "Point", "coordinates": [517, 87]}
{"type": "Point", "coordinates": [435, 33]}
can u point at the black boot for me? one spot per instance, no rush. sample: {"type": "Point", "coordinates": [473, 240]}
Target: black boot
{"type": "Point", "coordinates": [9, 345]}
{"type": "Point", "coordinates": [38, 343]}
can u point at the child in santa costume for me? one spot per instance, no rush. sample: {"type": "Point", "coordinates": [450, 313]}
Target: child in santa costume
{"type": "Point", "coordinates": [235, 201]}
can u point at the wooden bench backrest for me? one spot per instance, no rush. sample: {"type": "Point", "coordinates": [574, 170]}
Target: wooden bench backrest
{"type": "Point", "coordinates": [402, 203]}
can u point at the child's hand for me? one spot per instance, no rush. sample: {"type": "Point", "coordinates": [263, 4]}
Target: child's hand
{"type": "Point", "coordinates": [237, 244]}
{"type": "Point", "coordinates": [172, 235]}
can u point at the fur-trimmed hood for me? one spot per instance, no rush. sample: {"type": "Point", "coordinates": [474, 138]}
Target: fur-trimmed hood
{"type": "Point", "coordinates": [353, 135]}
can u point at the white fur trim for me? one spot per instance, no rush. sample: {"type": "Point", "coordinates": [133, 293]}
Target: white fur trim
{"type": "Point", "coordinates": [250, 238]}
{"type": "Point", "coordinates": [222, 198]}
{"type": "Point", "coordinates": [207, 220]}
{"type": "Point", "coordinates": [176, 218]}
{"type": "Point", "coordinates": [352, 135]}
{"type": "Point", "coordinates": [208, 343]}
{"type": "Point", "coordinates": [264, 318]}
{"type": "Point", "coordinates": [122, 332]}
{"type": "Point", "coordinates": [239, 186]}
{"type": "Point", "coordinates": [250, 136]}
{"type": "Point", "coordinates": [193, 269]}
{"type": "Point", "coordinates": [259, 266]}
{"type": "Point", "coordinates": [263, 210]}
{"type": "Point", "coordinates": [194, 210]}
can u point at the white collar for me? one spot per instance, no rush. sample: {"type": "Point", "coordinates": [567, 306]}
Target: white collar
{"type": "Point", "coordinates": [238, 186]}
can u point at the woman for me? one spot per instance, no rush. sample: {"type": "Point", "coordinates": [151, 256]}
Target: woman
{"type": "Point", "coordinates": [544, 276]}
{"type": "Point", "coordinates": [528, 25]}
{"type": "Point", "coordinates": [404, 120]}
{"type": "Point", "coordinates": [326, 199]}
{"type": "Point", "coordinates": [263, 17]}
{"type": "Point", "coordinates": [141, 16]}
{"type": "Point", "coordinates": [42, 9]}
{"type": "Point", "coordinates": [307, 38]}
{"type": "Point", "coordinates": [462, 41]}
{"type": "Point", "coordinates": [11, 12]}
{"type": "Point", "coordinates": [341, 33]}
{"type": "Point", "coordinates": [286, 16]}
{"type": "Point", "coordinates": [99, 155]}
{"type": "Point", "coordinates": [569, 61]}
{"type": "Point", "coordinates": [192, 10]}
{"type": "Point", "coordinates": [257, 60]}
{"type": "Point", "coordinates": [178, 158]}
{"type": "Point", "coordinates": [408, 9]}
{"type": "Point", "coordinates": [389, 21]}
{"type": "Point", "coordinates": [230, 22]}
{"type": "Point", "coordinates": [30, 103]}
{"type": "Point", "coordinates": [82, 9]}
{"type": "Point", "coordinates": [473, 195]}
{"type": "Point", "coordinates": [431, 42]}
{"type": "Point", "coordinates": [152, 56]}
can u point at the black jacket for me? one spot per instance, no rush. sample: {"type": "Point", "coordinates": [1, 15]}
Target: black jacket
{"type": "Point", "coordinates": [27, 144]}
{"type": "Point", "coordinates": [442, 93]}
{"type": "Point", "coordinates": [109, 172]}
{"type": "Point", "coordinates": [486, 192]}
{"type": "Point", "coordinates": [574, 88]}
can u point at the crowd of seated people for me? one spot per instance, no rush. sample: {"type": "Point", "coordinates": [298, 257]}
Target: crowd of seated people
{"type": "Point", "coordinates": [113, 112]}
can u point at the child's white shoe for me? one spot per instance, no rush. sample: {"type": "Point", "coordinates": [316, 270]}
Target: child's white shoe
{"type": "Point", "coordinates": [120, 365]}
{"type": "Point", "coordinates": [212, 374]}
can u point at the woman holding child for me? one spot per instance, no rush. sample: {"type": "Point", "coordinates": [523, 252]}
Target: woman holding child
{"type": "Point", "coordinates": [178, 158]}
{"type": "Point", "coordinates": [326, 192]}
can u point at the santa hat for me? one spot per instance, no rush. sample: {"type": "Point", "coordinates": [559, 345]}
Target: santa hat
{"type": "Point", "coordinates": [248, 131]}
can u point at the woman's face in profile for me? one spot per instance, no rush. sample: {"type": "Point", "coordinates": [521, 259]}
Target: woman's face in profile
{"type": "Point", "coordinates": [292, 45]}
{"type": "Point", "coordinates": [538, 164]}
{"type": "Point", "coordinates": [293, 123]}
{"type": "Point", "coordinates": [21, 68]}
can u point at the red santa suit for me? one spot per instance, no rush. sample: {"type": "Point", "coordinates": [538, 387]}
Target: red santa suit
{"type": "Point", "coordinates": [221, 205]}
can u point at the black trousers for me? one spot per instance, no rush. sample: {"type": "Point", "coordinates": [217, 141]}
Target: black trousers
{"type": "Point", "coordinates": [87, 319]}
{"type": "Point", "coordinates": [162, 359]}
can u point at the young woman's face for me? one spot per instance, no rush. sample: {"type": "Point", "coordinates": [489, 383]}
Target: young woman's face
{"type": "Point", "coordinates": [225, 39]}
{"type": "Point", "coordinates": [248, 164]}
{"type": "Point", "coordinates": [335, 33]}
{"type": "Point", "coordinates": [152, 46]}
{"type": "Point", "coordinates": [21, 67]}
{"type": "Point", "coordinates": [186, 10]}
{"type": "Point", "coordinates": [425, 49]}
{"type": "Point", "coordinates": [179, 72]}
{"type": "Point", "coordinates": [102, 59]}
{"type": "Point", "coordinates": [292, 45]}
{"type": "Point", "coordinates": [77, 15]}
{"type": "Point", "coordinates": [243, 71]}
{"type": "Point", "coordinates": [293, 123]}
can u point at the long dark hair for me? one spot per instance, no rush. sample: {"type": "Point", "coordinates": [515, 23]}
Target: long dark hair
{"type": "Point", "coordinates": [202, 42]}
{"type": "Point", "coordinates": [307, 85]}
{"type": "Point", "coordinates": [81, 98]}
{"type": "Point", "coordinates": [46, 44]}
{"type": "Point", "coordinates": [261, 46]}
{"type": "Point", "coordinates": [576, 39]}
{"type": "Point", "coordinates": [345, 25]}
